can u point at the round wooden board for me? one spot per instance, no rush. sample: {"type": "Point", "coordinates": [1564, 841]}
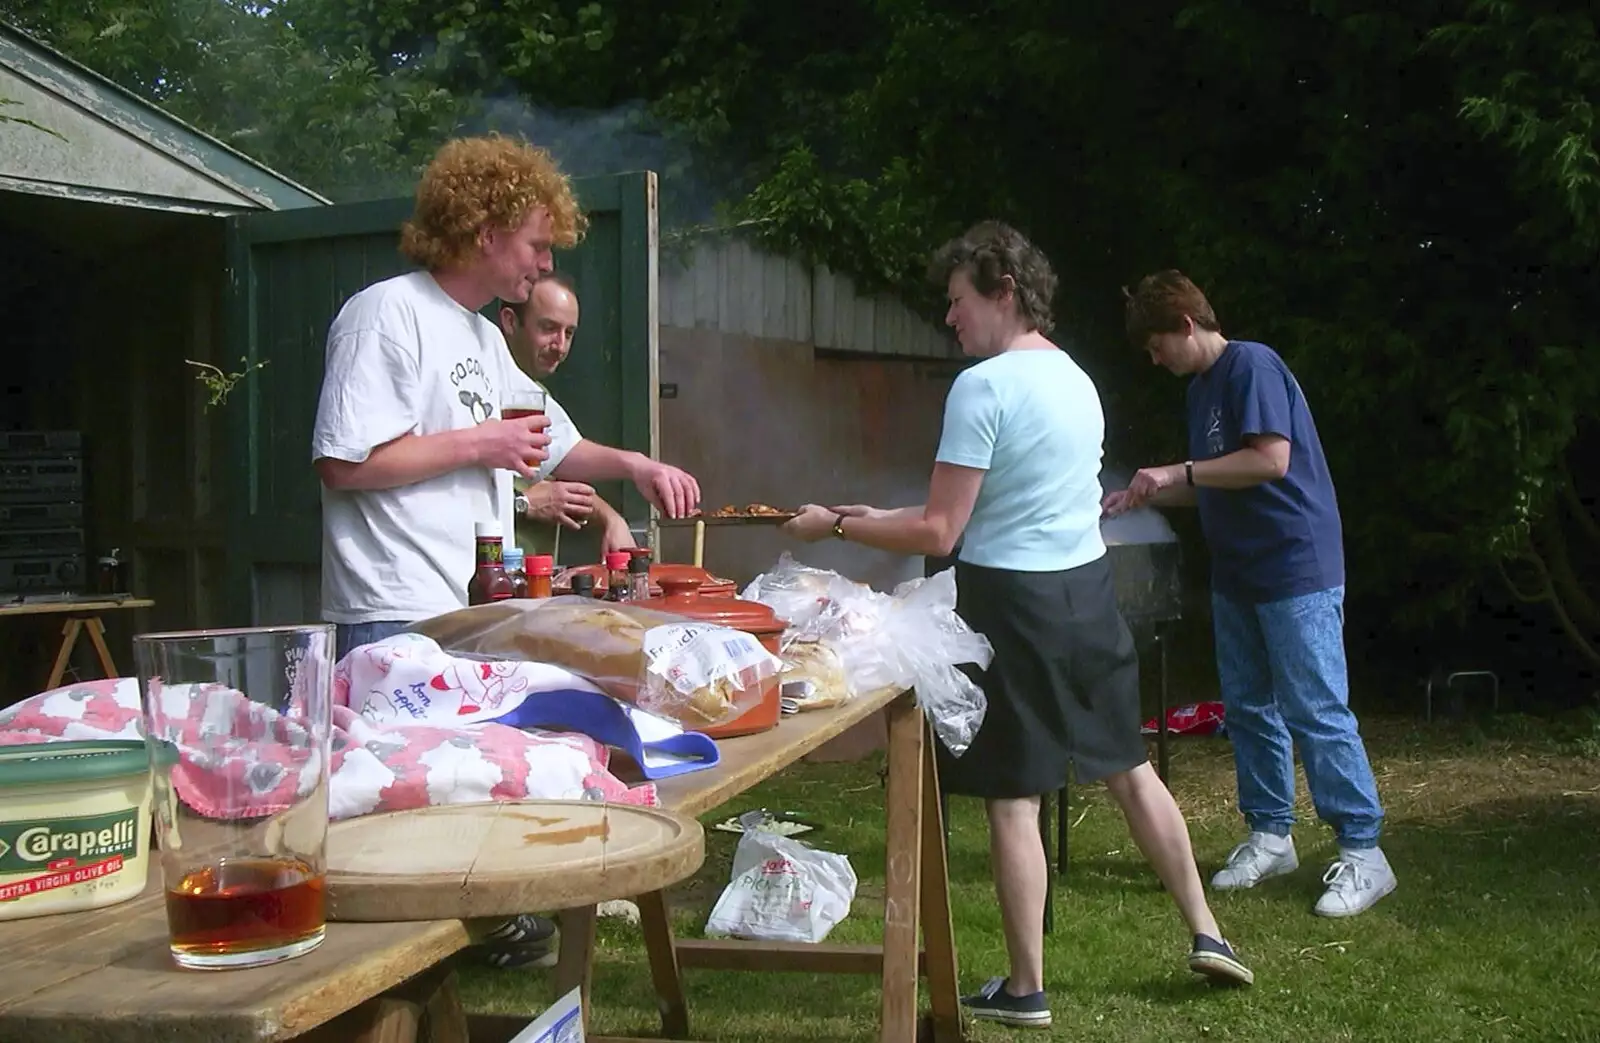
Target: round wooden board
{"type": "Point", "coordinates": [463, 861]}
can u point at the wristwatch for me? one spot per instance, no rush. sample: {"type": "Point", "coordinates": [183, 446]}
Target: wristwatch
{"type": "Point", "coordinates": [838, 526]}
{"type": "Point", "coordinates": [519, 504]}
{"type": "Point", "coordinates": [1188, 471]}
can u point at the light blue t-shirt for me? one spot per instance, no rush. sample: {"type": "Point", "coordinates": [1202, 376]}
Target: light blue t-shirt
{"type": "Point", "coordinates": [1032, 420]}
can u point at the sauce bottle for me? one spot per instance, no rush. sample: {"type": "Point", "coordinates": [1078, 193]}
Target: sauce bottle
{"type": "Point", "coordinates": [583, 585]}
{"type": "Point", "coordinates": [639, 576]}
{"type": "Point", "coordinates": [514, 569]}
{"type": "Point", "coordinates": [489, 581]}
{"type": "Point", "coordinates": [617, 576]}
{"type": "Point", "coordinates": [541, 571]}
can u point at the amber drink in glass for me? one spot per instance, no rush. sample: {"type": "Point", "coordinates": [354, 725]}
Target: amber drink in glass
{"type": "Point", "coordinates": [238, 725]}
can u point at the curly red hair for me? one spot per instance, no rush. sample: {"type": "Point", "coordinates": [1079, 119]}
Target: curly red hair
{"type": "Point", "coordinates": [490, 182]}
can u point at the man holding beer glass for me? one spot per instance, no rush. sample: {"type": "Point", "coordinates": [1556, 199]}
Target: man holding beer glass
{"type": "Point", "coordinates": [409, 439]}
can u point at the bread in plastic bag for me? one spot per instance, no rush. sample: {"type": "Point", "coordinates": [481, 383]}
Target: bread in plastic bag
{"type": "Point", "coordinates": [912, 638]}
{"type": "Point", "coordinates": [813, 676]}
{"type": "Point", "coordinates": [696, 672]}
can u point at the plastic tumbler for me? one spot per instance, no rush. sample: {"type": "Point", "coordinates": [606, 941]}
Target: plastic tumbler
{"type": "Point", "coordinates": [238, 725]}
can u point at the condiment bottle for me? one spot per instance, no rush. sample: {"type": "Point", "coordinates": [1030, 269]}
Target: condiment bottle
{"type": "Point", "coordinates": [583, 585]}
{"type": "Point", "coordinates": [617, 576]}
{"type": "Point", "coordinates": [489, 581]}
{"type": "Point", "coordinates": [541, 570]}
{"type": "Point", "coordinates": [514, 569]}
{"type": "Point", "coordinates": [639, 576]}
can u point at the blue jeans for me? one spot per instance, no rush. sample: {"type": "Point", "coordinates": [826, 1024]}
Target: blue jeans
{"type": "Point", "coordinates": [354, 635]}
{"type": "Point", "coordinates": [1282, 669]}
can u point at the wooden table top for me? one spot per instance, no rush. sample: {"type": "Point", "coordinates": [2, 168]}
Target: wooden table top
{"type": "Point", "coordinates": [85, 606]}
{"type": "Point", "coordinates": [106, 976]}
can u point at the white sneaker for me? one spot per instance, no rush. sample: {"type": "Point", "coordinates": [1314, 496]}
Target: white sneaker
{"type": "Point", "coordinates": [1262, 855]}
{"type": "Point", "coordinates": [1356, 881]}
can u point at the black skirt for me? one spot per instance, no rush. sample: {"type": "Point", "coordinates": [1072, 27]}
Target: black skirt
{"type": "Point", "coordinates": [1063, 688]}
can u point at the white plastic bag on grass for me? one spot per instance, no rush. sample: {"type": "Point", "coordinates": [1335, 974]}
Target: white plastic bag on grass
{"type": "Point", "coordinates": [782, 891]}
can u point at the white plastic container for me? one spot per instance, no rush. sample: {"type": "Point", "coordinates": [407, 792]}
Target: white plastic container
{"type": "Point", "coordinates": [74, 826]}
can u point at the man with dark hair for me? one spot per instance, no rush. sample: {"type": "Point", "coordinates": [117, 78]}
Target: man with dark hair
{"type": "Point", "coordinates": [539, 332]}
{"type": "Point", "coordinates": [1256, 471]}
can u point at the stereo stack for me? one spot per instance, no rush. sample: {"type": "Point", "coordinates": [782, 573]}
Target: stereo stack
{"type": "Point", "coordinates": [42, 548]}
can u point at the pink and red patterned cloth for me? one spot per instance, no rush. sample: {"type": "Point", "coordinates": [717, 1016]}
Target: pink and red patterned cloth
{"type": "Point", "coordinates": [384, 756]}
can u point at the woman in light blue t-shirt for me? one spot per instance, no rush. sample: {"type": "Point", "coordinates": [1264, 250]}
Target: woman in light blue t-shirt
{"type": "Point", "coordinates": [1017, 481]}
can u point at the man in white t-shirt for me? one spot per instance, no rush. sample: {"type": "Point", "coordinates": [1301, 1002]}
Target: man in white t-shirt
{"type": "Point", "coordinates": [539, 333]}
{"type": "Point", "coordinates": [408, 444]}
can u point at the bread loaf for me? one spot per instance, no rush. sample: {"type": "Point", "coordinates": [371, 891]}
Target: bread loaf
{"type": "Point", "coordinates": [634, 654]}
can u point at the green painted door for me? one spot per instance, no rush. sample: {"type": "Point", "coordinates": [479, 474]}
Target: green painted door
{"type": "Point", "coordinates": [288, 274]}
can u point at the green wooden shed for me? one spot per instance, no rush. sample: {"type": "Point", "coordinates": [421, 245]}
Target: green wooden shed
{"type": "Point", "coordinates": [133, 246]}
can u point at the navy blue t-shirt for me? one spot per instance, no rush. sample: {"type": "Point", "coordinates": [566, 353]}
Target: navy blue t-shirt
{"type": "Point", "coordinates": [1280, 539]}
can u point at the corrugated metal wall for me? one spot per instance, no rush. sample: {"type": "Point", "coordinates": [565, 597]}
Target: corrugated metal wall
{"type": "Point", "coordinates": [728, 285]}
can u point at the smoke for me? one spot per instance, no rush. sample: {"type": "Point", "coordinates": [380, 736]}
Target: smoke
{"type": "Point", "coordinates": [1145, 525]}
{"type": "Point", "coordinates": [627, 138]}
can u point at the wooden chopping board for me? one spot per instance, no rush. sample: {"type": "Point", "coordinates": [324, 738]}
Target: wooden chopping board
{"type": "Point", "coordinates": [463, 861]}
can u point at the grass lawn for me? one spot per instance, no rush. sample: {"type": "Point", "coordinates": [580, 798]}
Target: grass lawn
{"type": "Point", "coordinates": [1494, 933]}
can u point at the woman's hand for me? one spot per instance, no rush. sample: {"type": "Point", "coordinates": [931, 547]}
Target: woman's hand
{"type": "Point", "coordinates": [813, 523]}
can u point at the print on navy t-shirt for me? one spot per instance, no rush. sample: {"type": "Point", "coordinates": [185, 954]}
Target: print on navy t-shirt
{"type": "Point", "coordinates": [1280, 539]}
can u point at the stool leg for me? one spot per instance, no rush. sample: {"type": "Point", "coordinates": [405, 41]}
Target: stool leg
{"type": "Point", "coordinates": [1063, 813]}
{"type": "Point", "coordinates": [97, 638]}
{"type": "Point", "coordinates": [69, 638]}
{"type": "Point", "coordinates": [1049, 877]}
{"type": "Point", "coordinates": [1163, 756]}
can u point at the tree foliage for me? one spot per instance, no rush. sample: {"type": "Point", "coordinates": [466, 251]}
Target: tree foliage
{"type": "Point", "coordinates": [328, 117]}
{"type": "Point", "coordinates": [1402, 196]}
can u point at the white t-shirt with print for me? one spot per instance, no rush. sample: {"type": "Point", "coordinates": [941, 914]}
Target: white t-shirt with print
{"type": "Point", "coordinates": [404, 358]}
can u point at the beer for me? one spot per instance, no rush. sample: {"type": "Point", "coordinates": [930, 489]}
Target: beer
{"type": "Point", "coordinates": [517, 413]}
{"type": "Point", "coordinates": [246, 906]}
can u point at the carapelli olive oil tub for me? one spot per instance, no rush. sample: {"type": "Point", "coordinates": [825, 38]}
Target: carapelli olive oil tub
{"type": "Point", "coordinates": [74, 826]}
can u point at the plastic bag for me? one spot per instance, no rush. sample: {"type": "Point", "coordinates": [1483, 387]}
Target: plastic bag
{"type": "Point", "coordinates": [813, 676]}
{"type": "Point", "coordinates": [912, 638]}
{"type": "Point", "coordinates": [696, 672]}
{"type": "Point", "coordinates": [782, 891]}
{"type": "Point", "coordinates": [819, 605]}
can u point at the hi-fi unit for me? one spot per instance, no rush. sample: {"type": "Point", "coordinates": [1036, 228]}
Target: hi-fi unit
{"type": "Point", "coordinates": [43, 574]}
{"type": "Point", "coordinates": [42, 547]}
{"type": "Point", "coordinates": [42, 479]}
{"type": "Point", "coordinates": [41, 443]}
{"type": "Point", "coordinates": [40, 515]}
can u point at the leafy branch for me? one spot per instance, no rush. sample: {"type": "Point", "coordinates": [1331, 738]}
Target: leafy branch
{"type": "Point", "coordinates": [221, 384]}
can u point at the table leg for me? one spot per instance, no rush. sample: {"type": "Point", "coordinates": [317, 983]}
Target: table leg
{"type": "Point", "coordinates": [575, 965]}
{"type": "Point", "coordinates": [69, 638]}
{"type": "Point", "coordinates": [656, 923]}
{"type": "Point", "coordinates": [903, 864]}
{"type": "Point", "coordinates": [444, 1020]}
{"type": "Point", "coordinates": [938, 933]}
{"type": "Point", "coordinates": [97, 637]}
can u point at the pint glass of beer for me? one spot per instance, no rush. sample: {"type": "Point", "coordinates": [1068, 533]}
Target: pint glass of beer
{"type": "Point", "coordinates": [522, 402]}
{"type": "Point", "coordinates": [238, 726]}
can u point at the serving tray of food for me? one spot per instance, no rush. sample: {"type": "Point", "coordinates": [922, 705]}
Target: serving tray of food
{"type": "Point", "coordinates": [734, 514]}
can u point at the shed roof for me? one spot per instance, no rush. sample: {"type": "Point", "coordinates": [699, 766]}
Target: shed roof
{"type": "Point", "coordinates": [115, 147]}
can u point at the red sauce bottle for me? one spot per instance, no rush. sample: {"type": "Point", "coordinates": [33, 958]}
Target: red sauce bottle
{"type": "Point", "coordinates": [489, 580]}
{"type": "Point", "coordinates": [541, 572]}
{"type": "Point", "coordinates": [617, 576]}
